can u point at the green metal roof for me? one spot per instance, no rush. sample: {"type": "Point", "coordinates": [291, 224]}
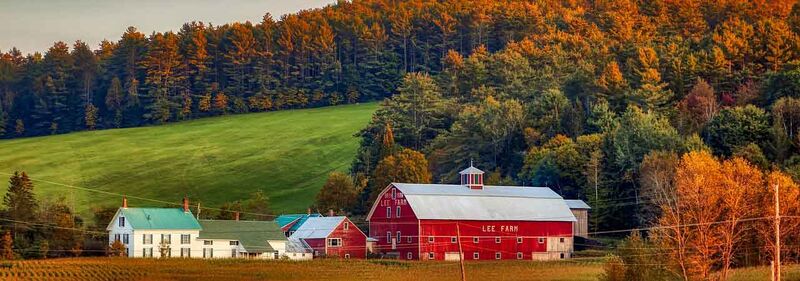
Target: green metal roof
{"type": "Point", "coordinates": [159, 218]}
{"type": "Point", "coordinates": [252, 235]}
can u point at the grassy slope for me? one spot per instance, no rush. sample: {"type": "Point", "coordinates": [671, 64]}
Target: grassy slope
{"type": "Point", "coordinates": [287, 154]}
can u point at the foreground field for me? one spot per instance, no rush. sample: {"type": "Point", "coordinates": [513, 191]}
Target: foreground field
{"type": "Point", "coordinates": [182, 269]}
{"type": "Point", "coordinates": [285, 154]}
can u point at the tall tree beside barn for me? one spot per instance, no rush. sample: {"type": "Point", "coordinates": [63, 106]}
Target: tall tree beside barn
{"type": "Point", "coordinates": [406, 165]}
{"type": "Point", "coordinates": [339, 193]}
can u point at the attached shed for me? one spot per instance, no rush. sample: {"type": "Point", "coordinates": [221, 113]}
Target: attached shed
{"type": "Point", "coordinates": [251, 239]}
{"type": "Point", "coordinates": [581, 211]}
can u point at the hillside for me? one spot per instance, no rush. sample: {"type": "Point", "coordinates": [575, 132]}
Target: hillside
{"type": "Point", "coordinates": [286, 154]}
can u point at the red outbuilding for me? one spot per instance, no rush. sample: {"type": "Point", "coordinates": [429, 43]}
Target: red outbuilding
{"type": "Point", "coordinates": [439, 221]}
{"type": "Point", "coordinates": [331, 237]}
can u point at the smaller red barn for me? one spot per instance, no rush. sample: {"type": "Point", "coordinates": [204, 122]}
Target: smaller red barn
{"type": "Point", "coordinates": [332, 237]}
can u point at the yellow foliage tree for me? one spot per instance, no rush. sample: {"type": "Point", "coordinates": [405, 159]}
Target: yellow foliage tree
{"type": "Point", "coordinates": [404, 166]}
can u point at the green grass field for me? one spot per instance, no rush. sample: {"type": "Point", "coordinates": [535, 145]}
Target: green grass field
{"type": "Point", "coordinates": [285, 154]}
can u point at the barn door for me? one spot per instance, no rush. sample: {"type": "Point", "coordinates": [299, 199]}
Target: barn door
{"type": "Point", "coordinates": [394, 243]}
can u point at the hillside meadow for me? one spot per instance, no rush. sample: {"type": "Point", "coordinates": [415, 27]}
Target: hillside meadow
{"type": "Point", "coordinates": [286, 154]}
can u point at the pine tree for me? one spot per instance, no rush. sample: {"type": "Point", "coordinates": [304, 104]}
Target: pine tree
{"type": "Point", "coordinates": [387, 145]}
{"type": "Point", "coordinates": [20, 202]}
{"type": "Point", "coordinates": [90, 116]}
{"type": "Point", "coordinates": [115, 100]}
{"type": "Point", "coordinates": [19, 127]}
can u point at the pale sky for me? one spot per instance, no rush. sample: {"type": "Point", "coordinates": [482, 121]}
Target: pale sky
{"type": "Point", "coordinates": [34, 25]}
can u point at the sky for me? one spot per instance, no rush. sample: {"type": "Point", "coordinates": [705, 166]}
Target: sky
{"type": "Point", "coordinates": [34, 25]}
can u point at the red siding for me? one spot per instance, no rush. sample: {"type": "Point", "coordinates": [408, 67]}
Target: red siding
{"type": "Point", "coordinates": [354, 242]}
{"type": "Point", "coordinates": [316, 244]}
{"type": "Point", "coordinates": [487, 231]}
{"type": "Point", "coordinates": [406, 224]}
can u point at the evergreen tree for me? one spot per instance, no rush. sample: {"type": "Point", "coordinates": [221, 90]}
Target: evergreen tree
{"type": "Point", "coordinates": [20, 203]}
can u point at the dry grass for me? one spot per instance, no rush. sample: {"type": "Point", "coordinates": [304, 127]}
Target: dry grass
{"type": "Point", "coordinates": [182, 269]}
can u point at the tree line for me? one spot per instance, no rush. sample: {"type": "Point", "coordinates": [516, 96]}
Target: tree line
{"type": "Point", "coordinates": [344, 53]}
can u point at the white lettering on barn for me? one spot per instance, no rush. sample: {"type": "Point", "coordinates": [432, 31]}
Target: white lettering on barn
{"type": "Point", "coordinates": [503, 228]}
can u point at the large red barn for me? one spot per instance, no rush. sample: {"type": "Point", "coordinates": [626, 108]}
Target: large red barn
{"type": "Point", "coordinates": [439, 221]}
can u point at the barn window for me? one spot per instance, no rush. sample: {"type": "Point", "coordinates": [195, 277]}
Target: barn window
{"type": "Point", "coordinates": [476, 255]}
{"type": "Point", "coordinates": [394, 193]}
{"type": "Point", "coordinates": [388, 237]}
{"type": "Point", "coordinates": [561, 239]}
{"type": "Point", "coordinates": [453, 239]}
{"type": "Point", "coordinates": [388, 212]}
{"type": "Point", "coordinates": [562, 255]}
{"type": "Point", "coordinates": [430, 239]}
{"type": "Point", "coordinates": [497, 240]}
{"type": "Point", "coordinates": [334, 242]}
{"type": "Point", "coordinates": [121, 221]}
{"type": "Point", "coordinates": [346, 256]}
{"type": "Point", "coordinates": [346, 226]}
{"type": "Point", "coordinates": [409, 255]}
{"type": "Point", "coordinates": [541, 240]}
{"type": "Point", "coordinates": [398, 212]}
{"type": "Point", "coordinates": [430, 255]}
{"type": "Point", "coordinates": [519, 255]}
{"type": "Point", "coordinates": [519, 240]}
{"type": "Point", "coordinates": [408, 238]}
{"type": "Point", "coordinates": [497, 255]}
{"type": "Point", "coordinates": [474, 239]}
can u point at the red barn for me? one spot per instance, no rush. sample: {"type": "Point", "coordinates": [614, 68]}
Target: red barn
{"type": "Point", "coordinates": [439, 221]}
{"type": "Point", "coordinates": [332, 237]}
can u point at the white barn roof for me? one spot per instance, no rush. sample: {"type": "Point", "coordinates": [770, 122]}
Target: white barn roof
{"type": "Point", "coordinates": [316, 227]}
{"type": "Point", "coordinates": [457, 202]}
{"type": "Point", "coordinates": [577, 204]}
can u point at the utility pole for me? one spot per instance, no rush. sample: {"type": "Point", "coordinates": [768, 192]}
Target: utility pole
{"type": "Point", "coordinates": [460, 253]}
{"type": "Point", "coordinates": [777, 262]}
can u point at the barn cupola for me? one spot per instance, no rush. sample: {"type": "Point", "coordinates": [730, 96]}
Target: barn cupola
{"type": "Point", "coordinates": [472, 177]}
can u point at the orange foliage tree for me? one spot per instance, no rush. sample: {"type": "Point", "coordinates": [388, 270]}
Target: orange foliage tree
{"type": "Point", "coordinates": [404, 166]}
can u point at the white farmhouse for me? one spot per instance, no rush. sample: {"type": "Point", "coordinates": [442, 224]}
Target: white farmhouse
{"type": "Point", "coordinates": [175, 232]}
{"type": "Point", "coordinates": [156, 232]}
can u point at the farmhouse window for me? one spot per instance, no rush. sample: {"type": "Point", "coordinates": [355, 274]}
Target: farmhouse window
{"type": "Point", "coordinates": [166, 252]}
{"type": "Point", "coordinates": [166, 238]}
{"type": "Point", "coordinates": [430, 255]}
{"type": "Point", "coordinates": [398, 211]}
{"type": "Point", "coordinates": [147, 239]}
{"type": "Point", "coordinates": [541, 240]}
{"type": "Point", "coordinates": [409, 255]}
{"type": "Point", "coordinates": [475, 239]}
{"type": "Point", "coordinates": [430, 239]}
{"type": "Point", "coordinates": [125, 238]}
{"type": "Point", "coordinates": [388, 237]}
{"type": "Point", "coordinates": [121, 221]}
{"type": "Point", "coordinates": [186, 252]}
{"type": "Point", "coordinates": [234, 253]}
{"type": "Point", "coordinates": [497, 255]}
{"type": "Point", "coordinates": [334, 242]}
{"type": "Point", "coordinates": [476, 255]}
{"type": "Point", "coordinates": [497, 240]}
{"type": "Point", "coordinates": [388, 212]}
{"type": "Point", "coordinates": [185, 238]}
{"type": "Point", "coordinates": [453, 239]}
{"type": "Point", "coordinates": [208, 242]}
{"type": "Point", "coordinates": [398, 237]}
{"type": "Point", "coordinates": [346, 226]}
{"type": "Point", "coordinates": [234, 243]}
{"type": "Point", "coordinates": [147, 252]}
{"type": "Point", "coordinates": [519, 255]}
{"type": "Point", "coordinates": [519, 240]}
{"type": "Point", "coordinates": [208, 252]}
{"type": "Point", "coordinates": [116, 237]}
